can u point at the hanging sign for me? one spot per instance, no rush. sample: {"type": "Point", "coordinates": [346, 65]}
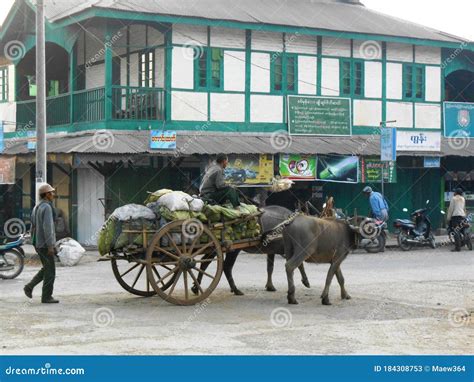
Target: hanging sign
{"type": "Point", "coordinates": [7, 170]}
{"type": "Point", "coordinates": [458, 119]}
{"type": "Point", "coordinates": [343, 169]}
{"type": "Point", "coordinates": [432, 162]}
{"type": "Point", "coordinates": [388, 144]}
{"type": "Point", "coordinates": [371, 171]}
{"type": "Point", "coordinates": [249, 170]}
{"type": "Point", "coordinates": [418, 141]}
{"type": "Point", "coordinates": [298, 167]}
{"type": "Point", "coordinates": [31, 140]}
{"type": "Point", "coordinates": [162, 140]}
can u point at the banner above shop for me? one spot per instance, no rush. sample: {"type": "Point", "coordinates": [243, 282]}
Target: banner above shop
{"type": "Point", "coordinates": [418, 141]}
{"type": "Point", "coordinates": [388, 144]}
{"type": "Point", "coordinates": [371, 171]}
{"type": "Point", "coordinates": [319, 116]}
{"type": "Point", "coordinates": [343, 169]}
{"type": "Point", "coordinates": [458, 119]}
{"type": "Point", "coordinates": [249, 170]}
{"type": "Point", "coordinates": [31, 140]}
{"type": "Point", "coordinates": [431, 162]}
{"type": "Point", "coordinates": [298, 167]}
{"type": "Point", "coordinates": [7, 170]}
{"type": "Point", "coordinates": [162, 140]}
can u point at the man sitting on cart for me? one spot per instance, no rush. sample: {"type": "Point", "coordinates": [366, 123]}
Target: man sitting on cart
{"type": "Point", "coordinates": [213, 186]}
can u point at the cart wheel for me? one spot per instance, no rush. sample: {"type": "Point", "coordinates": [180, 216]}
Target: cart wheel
{"type": "Point", "coordinates": [178, 246]}
{"type": "Point", "coordinates": [132, 277]}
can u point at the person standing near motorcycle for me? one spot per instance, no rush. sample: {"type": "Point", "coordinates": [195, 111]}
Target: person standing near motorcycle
{"type": "Point", "coordinates": [378, 204]}
{"type": "Point", "coordinates": [44, 239]}
{"type": "Point", "coordinates": [456, 215]}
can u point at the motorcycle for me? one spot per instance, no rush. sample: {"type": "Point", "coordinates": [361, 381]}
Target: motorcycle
{"type": "Point", "coordinates": [416, 231]}
{"type": "Point", "coordinates": [12, 258]}
{"type": "Point", "coordinates": [464, 233]}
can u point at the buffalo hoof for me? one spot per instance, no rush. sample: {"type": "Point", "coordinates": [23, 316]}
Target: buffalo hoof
{"type": "Point", "coordinates": [195, 289]}
{"type": "Point", "coordinates": [325, 301]}
{"type": "Point", "coordinates": [346, 296]}
{"type": "Point", "coordinates": [270, 288]}
{"type": "Point", "coordinates": [292, 301]}
{"type": "Point", "coordinates": [306, 283]}
{"type": "Point", "coordinates": [237, 292]}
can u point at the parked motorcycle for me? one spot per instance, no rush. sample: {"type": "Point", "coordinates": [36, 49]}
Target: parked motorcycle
{"type": "Point", "coordinates": [416, 231]}
{"type": "Point", "coordinates": [464, 233]}
{"type": "Point", "coordinates": [12, 258]}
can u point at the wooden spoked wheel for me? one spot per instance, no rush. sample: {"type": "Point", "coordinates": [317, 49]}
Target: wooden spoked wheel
{"type": "Point", "coordinates": [188, 255]}
{"type": "Point", "coordinates": [132, 276]}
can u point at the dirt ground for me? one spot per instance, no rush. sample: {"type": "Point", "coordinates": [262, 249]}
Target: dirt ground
{"type": "Point", "coordinates": [420, 302]}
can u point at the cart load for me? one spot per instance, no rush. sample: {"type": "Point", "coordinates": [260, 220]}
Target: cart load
{"type": "Point", "coordinates": [131, 225]}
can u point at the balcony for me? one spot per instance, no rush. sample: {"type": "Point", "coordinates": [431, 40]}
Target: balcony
{"type": "Point", "coordinates": [127, 103]}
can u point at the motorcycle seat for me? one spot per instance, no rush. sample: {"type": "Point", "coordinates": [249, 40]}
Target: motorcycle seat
{"type": "Point", "coordinates": [12, 244]}
{"type": "Point", "coordinates": [405, 222]}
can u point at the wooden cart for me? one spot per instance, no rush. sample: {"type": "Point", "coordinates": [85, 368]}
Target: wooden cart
{"type": "Point", "coordinates": [182, 262]}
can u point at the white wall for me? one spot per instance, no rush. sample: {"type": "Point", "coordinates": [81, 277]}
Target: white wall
{"type": "Point", "coordinates": [373, 79]}
{"type": "Point", "coordinates": [95, 76]}
{"type": "Point", "coordinates": [330, 76]}
{"type": "Point", "coordinates": [8, 113]}
{"type": "Point", "coordinates": [307, 74]}
{"type": "Point", "coordinates": [267, 41]}
{"type": "Point", "coordinates": [433, 83]}
{"type": "Point", "coordinates": [234, 70]}
{"type": "Point", "coordinates": [189, 35]}
{"type": "Point", "coordinates": [90, 212]}
{"type": "Point", "coordinates": [188, 106]}
{"type": "Point", "coordinates": [182, 73]}
{"type": "Point", "coordinates": [227, 38]}
{"type": "Point", "coordinates": [399, 52]}
{"type": "Point", "coordinates": [367, 113]}
{"type": "Point", "coordinates": [428, 55]}
{"type": "Point", "coordinates": [266, 108]}
{"type": "Point", "coordinates": [336, 47]}
{"type": "Point", "coordinates": [260, 72]}
{"type": "Point", "coordinates": [394, 81]}
{"type": "Point", "coordinates": [160, 67]}
{"type": "Point", "coordinates": [227, 107]}
{"type": "Point", "coordinates": [298, 43]}
{"type": "Point", "coordinates": [427, 116]}
{"type": "Point", "coordinates": [402, 112]}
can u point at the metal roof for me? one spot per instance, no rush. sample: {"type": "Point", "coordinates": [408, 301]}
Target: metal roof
{"type": "Point", "coordinates": [334, 15]}
{"type": "Point", "coordinates": [117, 142]}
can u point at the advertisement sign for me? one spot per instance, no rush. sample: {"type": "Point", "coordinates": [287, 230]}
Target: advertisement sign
{"type": "Point", "coordinates": [31, 142]}
{"type": "Point", "coordinates": [162, 140]}
{"type": "Point", "coordinates": [2, 145]}
{"type": "Point", "coordinates": [418, 141]}
{"type": "Point", "coordinates": [343, 169]}
{"type": "Point", "coordinates": [432, 162]}
{"type": "Point", "coordinates": [371, 171]}
{"type": "Point", "coordinates": [458, 119]}
{"type": "Point", "coordinates": [7, 170]}
{"type": "Point", "coordinates": [298, 167]}
{"type": "Point", "coordinates": [319, 116]}
{"type": "Point", "coordinates": [388, 144]}
{"type": "Point", "coordinates": [249, 170]}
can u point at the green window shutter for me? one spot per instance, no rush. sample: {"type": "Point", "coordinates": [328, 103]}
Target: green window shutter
{"type": "Point", "coordinates": [292, 73]}
{"type": "Point", "coordinates": [358, 78]}
{"type": "Point", "coordinates": [200, 68]}
{"type": "Point", "coordinates": [276, 72]}
{"type": "Point", "coordinates": [419, 82]}
{"type": "Point", "coordinates": [3, 84]}
{"type": "Point", "coordinates": [217, 68]}
{"type": "Point", "coordinates": [346, 77]}
{"type": "Point", "coordinates": [408, 81]}
{"type": "Point", "coordinates": [146, 69]}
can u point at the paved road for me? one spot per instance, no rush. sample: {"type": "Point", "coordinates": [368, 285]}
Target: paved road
{"type": "Point", "coordinates": [402, 303]}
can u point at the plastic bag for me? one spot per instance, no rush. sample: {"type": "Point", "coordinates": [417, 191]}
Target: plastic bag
{"type": "Point", "coordinates": [133, 212]}
{"type": "Point", "coordinates": [280, 185]}
{"type": "Point", "coordinates": [180, 201]}
{"type": "Point", "coordinates": [70, 252]}
{"type": "Point", "coordinates": [154, 196]}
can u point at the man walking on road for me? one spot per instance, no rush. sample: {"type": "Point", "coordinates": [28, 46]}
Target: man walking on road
{"type": "Point", "coordinates": [456, 216]}
{"type": "Point", "coordinates": [378, 204]}
{"type": "Point", "coordinates": [44, 238]}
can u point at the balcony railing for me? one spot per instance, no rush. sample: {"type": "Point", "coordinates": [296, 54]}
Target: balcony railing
{"type": "Point", "coordinates": [128, 103]}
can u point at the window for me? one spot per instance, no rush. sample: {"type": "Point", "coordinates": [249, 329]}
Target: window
{"type": "Point", "coordinates": [209, 68]}
{"type": "Point", "coordinates": [146, 72]}
{"type": "Point", "coordinates": [284, 73]}
{"type": "Point", "coordinates": [352, 78]}
{"type": "Point", "coordinates": [413, 82]}
{"type": "Point", "coordinates": [3, 84]}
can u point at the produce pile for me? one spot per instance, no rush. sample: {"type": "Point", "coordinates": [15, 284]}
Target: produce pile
{"type": "Point", "coordinates": [164, 206]}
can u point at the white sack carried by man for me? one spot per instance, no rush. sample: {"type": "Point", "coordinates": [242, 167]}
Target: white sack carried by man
{"type": "Point", "coordinates": [70, 252]}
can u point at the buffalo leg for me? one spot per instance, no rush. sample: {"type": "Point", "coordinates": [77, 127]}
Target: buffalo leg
{"type": "Point", "coordinates": [202, 267]}
{"type": "Point", "coordinates": [332, 271]}
{"type": "Point", "coordinates": [340, 280]}
{"type": "Point", "coordinates": [229, 262]}
{"type": "Point", "coordinates": [270, 263]}
{"type": "Point", "coordinates": [304, 278]}
{"type": "Point", "coordinates": [290, 266]}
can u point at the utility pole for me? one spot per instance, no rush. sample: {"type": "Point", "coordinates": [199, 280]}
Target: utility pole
{"type": "Point", "coordinates": [41, 175]}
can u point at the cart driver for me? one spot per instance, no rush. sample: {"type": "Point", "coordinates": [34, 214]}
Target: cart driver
{"type": "Point", "coordinates": [213, 184]}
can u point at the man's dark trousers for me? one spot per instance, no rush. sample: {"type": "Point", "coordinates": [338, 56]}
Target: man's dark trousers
{"type": "Point", "coordinates": [47, 274]}
{"type": "Point", "coordinates": [227, 193]}
{"type": "Point", "coordinates": [457, 225]}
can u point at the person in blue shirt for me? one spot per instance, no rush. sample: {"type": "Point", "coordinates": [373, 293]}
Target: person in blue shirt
{"type": "Point", "coordinates": [378, 204]}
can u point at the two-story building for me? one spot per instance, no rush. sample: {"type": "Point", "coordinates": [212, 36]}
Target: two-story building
{"type": "Point", "coordinates": [219, 73]}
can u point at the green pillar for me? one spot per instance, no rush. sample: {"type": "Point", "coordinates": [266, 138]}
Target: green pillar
{"type": "Point", "coordinates": [168, 68]}
{"type": "Point", "coordinates": [72, 82]}
{"type": "Point", "coordinates": [108, 33]}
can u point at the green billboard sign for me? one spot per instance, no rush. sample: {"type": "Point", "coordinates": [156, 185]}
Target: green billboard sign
{"type": "Point", "coordinates": [319, 116]}
{"type": "Point", "coordinates": [371, 171]}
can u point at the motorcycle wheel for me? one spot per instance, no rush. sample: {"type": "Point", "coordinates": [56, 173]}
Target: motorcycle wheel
{"type": "Point", "coordinates": [432, 241]}
{"type": "Point", "coordinates": [379, 246]}
{"type": "Point", "coordinates": [402, 241]}
{"type": "Point", "coordinates": [14, 259]}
